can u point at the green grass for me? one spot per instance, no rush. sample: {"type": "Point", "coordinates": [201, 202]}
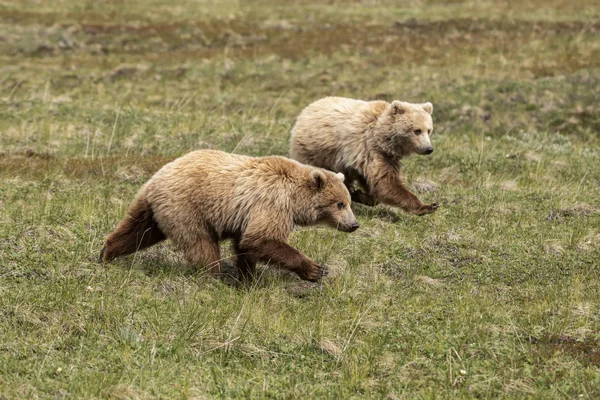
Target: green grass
{"type": "Point", "coordinates": [497, 294]}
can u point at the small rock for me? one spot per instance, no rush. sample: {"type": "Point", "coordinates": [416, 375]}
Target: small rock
{"type": "Point", "coordinates": [425, 186]}
{"type": "Point", "coordinates": [510, 185]}
{"type": "Point", "coordinates": [330, 347]}
{"type": "Point", "coordinates": [127, 70]}
{"type": "Point", "coordinates": [408, 23]}
{"type": "Point", "coordinates": [531, 156]}
{"type": "Point", "coordinates": [429, 281]}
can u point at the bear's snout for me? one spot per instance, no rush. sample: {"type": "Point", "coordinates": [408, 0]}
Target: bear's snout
{"type": "Point", "coordinates": [354, 227]}
{"type": "Point", "coordinates": [428, 150]}
{"type": "Point", "coordinates": [350, 228]}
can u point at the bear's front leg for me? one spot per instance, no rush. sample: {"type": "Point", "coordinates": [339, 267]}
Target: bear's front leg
{"type": "Point", "coordinates": [245, 264]}
{"type": "Point", "coordinates": [387, 188]}
{"type": "Point", "coordinates": [395, 194]}
{"type": "Point", "coordinates": [283, 255]}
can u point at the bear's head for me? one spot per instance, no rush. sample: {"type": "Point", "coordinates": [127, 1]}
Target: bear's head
{"type": "Point", "coordinates": [405, 128]}
{"type": "Point", "coordinates": [329, 201]}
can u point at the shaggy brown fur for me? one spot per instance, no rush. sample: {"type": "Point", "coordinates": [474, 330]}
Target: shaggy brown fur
{"type": "Point", "coordinates": [366, 141]}
{"type": "Point", "coordinates": [206, 196]}
{"type": "Point", "coordinates": [136, 232]}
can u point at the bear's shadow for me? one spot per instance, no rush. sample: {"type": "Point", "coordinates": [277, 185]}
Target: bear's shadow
{"type": "Point", "coordinates": [157, 263]}
{"type": "Point", "coordinates": [383, 213]}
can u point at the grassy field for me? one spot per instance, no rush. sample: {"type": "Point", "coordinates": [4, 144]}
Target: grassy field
{"type": "Point", "coordinates": [497, 294]}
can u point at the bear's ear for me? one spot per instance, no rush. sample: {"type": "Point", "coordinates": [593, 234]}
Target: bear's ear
{"type": "Point", "coordinates": [428, 107]}
{"type": "Point", "coordinates": [341, 176]}
{"type": "Point", "coordinates": [317, 179]}
{"type": "Point", "coordinates": [398, 107]}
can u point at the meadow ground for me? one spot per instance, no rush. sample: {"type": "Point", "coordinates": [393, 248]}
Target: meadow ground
{"type": "Point", "coordinates": [495, 295]}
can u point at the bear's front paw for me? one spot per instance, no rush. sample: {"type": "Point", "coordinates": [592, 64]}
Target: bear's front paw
{"type": "Point", "coordinates": [428, 209]}
{"type": "Point", "coordinates": [314, 273]}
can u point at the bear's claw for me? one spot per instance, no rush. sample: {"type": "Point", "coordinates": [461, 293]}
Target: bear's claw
{"type": "Point", "coordinates": [323, 270]}
{"type": "Point", "coordinates": [428, 209]}
{"type": "Point", "coordinates": [315, 273]}
{"type": "Point", "coordinates": [101, 258]}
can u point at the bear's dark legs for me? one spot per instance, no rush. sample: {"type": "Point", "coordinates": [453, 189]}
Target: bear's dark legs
{"type": "Point", "coordinates": [135, 232]}
{"type": "Point", "coordinates": [283, 255]}
{"type": "Point", "coordinates": [363, 198]}
{"type": "Point", "coordinates": [204, 251]}
{"type": "Point", "coordinates": [354, 179]}
{"type": "Point", "coordinates": [245, 264]}
{"type": "Point", "coordinates": [393, 192]}
{"type": "Point", "coordinates": [388, 188]}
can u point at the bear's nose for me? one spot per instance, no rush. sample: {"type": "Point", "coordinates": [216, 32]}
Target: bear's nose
{"type": "Point", "coordinates": [354, 227]}
{"type": "Point", "coordinates": [429, 150]}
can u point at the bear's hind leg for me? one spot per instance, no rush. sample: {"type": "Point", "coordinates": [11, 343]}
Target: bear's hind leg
{"type": "Point", "coordinates": [135, 232]}
{"type": "Point", "coordinates": [363, 198]}
{"type": "Point", "coordinates": [204, 251]}
{"type": "Point", "coordinates": [358, 187]}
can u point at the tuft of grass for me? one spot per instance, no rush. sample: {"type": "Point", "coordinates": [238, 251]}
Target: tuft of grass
{"type": "Point", "coordinates": [497, 294]}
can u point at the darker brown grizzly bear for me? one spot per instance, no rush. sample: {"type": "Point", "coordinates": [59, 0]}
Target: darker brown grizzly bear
{"type": "Point", "coordinates": [207, 195]}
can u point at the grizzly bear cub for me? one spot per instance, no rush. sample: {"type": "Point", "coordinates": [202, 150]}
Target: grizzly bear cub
{"type": "Point", "coordinates": [366, 141]}
{"type": "Point", "coordinates": [207, 195]}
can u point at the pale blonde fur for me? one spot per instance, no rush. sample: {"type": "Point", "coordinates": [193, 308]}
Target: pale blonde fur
{"type": "Point", "coordinates": [365, 140]}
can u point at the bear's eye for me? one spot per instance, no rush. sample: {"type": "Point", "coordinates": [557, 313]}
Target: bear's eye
{"type": "Point", "coordinates": [341, 205]}
{"type": "Point", "coordinates": [418, 132]}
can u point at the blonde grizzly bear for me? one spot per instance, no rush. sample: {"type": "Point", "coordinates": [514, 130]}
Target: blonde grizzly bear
{"type": "Point", "coordinates": [366, 141]}
{"type": "Point", "coordinates": [207, 196]}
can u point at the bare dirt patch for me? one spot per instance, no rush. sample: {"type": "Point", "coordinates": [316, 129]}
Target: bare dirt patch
{"type": "Point", "coordinates": [585, 351]}
{"type": "Point", "coordinates": [35, 165]}
{"type": "Point", "coordinates": [577, 210]}
{"type": "Point", "coordinates": [412, 42]}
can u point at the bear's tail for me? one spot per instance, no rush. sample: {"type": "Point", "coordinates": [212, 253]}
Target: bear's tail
{"type": "Point", "coordinates": [136, 231]}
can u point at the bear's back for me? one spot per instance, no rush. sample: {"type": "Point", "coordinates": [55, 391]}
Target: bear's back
{"type": "Point", "coordinates": [222, 189]}
{"type": "Point", "coordinates": [329, 133]}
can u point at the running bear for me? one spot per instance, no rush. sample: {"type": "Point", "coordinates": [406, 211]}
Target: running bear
{"type": "Point", "coordinates": [366, 141]}
{"type": "Point", "coordinates": [206, 196]}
